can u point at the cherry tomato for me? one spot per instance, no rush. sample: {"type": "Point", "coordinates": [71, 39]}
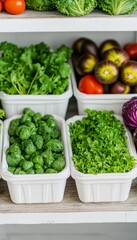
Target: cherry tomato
{"type": "Point", "coordinates": [131, 49]}
{"type": "Point", "coordinates": [89, 84]}
{"type": "Point", "coordinates": [15, 6]}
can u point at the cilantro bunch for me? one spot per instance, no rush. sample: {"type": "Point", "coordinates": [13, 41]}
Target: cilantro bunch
{"type": "Point", "coordinates": [35, 69]}
{"type": "Point", "coordinates": [99, 144]}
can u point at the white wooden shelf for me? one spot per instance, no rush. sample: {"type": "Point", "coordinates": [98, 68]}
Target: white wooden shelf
{"type": "Point", "coordinates": [70, 210]}
{"type": "Point", "coordinates": [52, 21]}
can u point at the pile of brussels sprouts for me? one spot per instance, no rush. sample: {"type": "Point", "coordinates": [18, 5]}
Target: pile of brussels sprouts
{"type": "Point", "coordinates": [35, 144]}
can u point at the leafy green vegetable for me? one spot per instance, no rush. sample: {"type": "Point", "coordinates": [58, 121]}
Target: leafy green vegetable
{"type": "Point", "coordinates": [99, 144]}
{"type": "Point", "coordinates": [75, 7]}
{"type": "Point", "coordinates": [35, 69]}
{"type": "Point", "coordinates": [39, 5]}
{"type": "Point", "coordinates": [117, 7]}
{"type": "Point", "coordinates": [2, 113]}
{"type": "Point", "coordinates": [35, 144]}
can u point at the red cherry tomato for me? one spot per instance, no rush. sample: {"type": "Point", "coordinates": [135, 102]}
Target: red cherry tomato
{"type": "Point", "coordinates": [131, 49]}
{"type": "Point", "coordinates": [15, 6]}
{"type": "Point", "coordinates": [90, 85]}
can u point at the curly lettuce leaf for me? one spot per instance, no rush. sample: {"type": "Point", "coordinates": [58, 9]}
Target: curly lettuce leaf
{"type": "Point", "coordinates": [75, 7]}
{"type": "Point", "coordinates": [39, 5]}
{"type": "Point", "coordinates": [118, 7]}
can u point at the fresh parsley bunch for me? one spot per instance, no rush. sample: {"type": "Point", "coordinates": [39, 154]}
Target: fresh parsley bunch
{"type": "Point", "coordinates": [35, 69]}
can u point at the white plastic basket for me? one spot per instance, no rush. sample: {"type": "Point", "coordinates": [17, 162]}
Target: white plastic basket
{"type": "Point", "coordinates": [48, 104]}
{"type": "Point", "coordinates": [105, 187]}
{"type": "Point", "coordinates": [99, 101]}
{"type": "Point", "coordinates": [35, 188]}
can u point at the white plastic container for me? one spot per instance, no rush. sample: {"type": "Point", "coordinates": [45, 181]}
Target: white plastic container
{"type": "Point", "coordinates": [52, 104]}
{"type": "Point", "coordinates": [1, 139]}
{"type": "Point", "coordinates": [105, 187]}
{"type": "Point", "coordinates": [99, 101]}
{"type": "Point", "coordinates": [35, 188]}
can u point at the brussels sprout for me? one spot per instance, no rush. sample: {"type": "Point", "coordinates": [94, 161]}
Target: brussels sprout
{"type": "Point", "coordinates": [23, 132]}
{"type": "Point", "coordinates": [27, 165]}
{"type": "Point", "coordinates": [55, 145]}
{"type": "Point", "coordinates": [37, 117]}
{"type": "Point", "coordinates": [11, 169]}
{"type": "Point", "coordinates": [32, 127]}
{"type": "Point", "coordinates": [51, 170]}
{"type": "Point", "coordinates": [48, 157]}
{"type": "Point", "coordinates": [25, 119]}
{"type": "Point", "coordinates": [14, 139]}
{"type": "Point", "coordinates": [13, 155]}
{"type": "Point", "coordinates": [55, 134]}
{"type": "Point", "coordinates": [38, 141]}
{"type": "Point", "coordinates": [28, 111]}
{"type": "Point", "coordinates": [30, 171]}
{"type": "Point", "coordinates": [15, 122]}
{"type": "Point", "coordinates": [12, 130]}
{"type": "Point", "coordinates": [13, 126]}
{"type": "Point", "coordinates": [50, 121]}
{"type": "Point", "coordinates": [29, 147]}
{"type": "Point", "coordinates": [37, 158]}
{"type": "Point", "coordinates": [39, 171]}
{"type": "Point", "coordinates": [43, 128]}
{"type": "Point", "coordinates": [12, 161]}
{"type": "Point", "coordinates": [17, 170]}
{"type": "Point", "coordinates": [59, 164]}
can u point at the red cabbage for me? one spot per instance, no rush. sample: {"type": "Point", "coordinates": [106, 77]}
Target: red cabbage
{"type": "Point", "coordinates": [129, 113]}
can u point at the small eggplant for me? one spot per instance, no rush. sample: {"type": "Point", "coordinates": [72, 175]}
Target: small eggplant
{"type": "Point", "coordinates": [128, 73]}
{"type": "Point", "coordinates": [85, 45]}
{"type": "Point", "coordinates": [108, 44]}
{"type": "Point", "coordinates": [86, 64]}
{"type": "Point", "coordinates": [116, 55]}
{"type": "Point", "coordinates": [106, 72]}
{"type": "Point", "coordinates": [119, 88]}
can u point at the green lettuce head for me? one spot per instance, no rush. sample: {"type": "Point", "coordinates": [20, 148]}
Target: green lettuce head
{"type": "Point", "coordinates": [117, 7]}
{"type": "Point", "coordinates": [75, 7]}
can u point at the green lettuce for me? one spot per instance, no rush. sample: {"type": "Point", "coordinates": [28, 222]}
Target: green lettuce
{"type": "Point", "coordinates": [39, 5]}
{"type": "Point", "coordinates": [75, 7]}
{"type": "Point", "coordinates": [118, 7]}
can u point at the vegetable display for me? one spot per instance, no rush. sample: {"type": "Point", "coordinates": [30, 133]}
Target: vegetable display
{"type": "Point", "coordinates": [99, 144]}
{"type": "Point", "coordinates": [35, 69]}
{"type": "Point", "coordinates": [112, 65]}
{"type": "Point", "coordinates": [117, 7]}
{"type": "Point", "coordinates": [75, 7]}
{"type": "Point", "coordinates": [35, 144]}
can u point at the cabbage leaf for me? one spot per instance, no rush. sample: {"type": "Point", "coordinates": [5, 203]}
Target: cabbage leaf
{"type": "Point", "coordinates": [118, 7]}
